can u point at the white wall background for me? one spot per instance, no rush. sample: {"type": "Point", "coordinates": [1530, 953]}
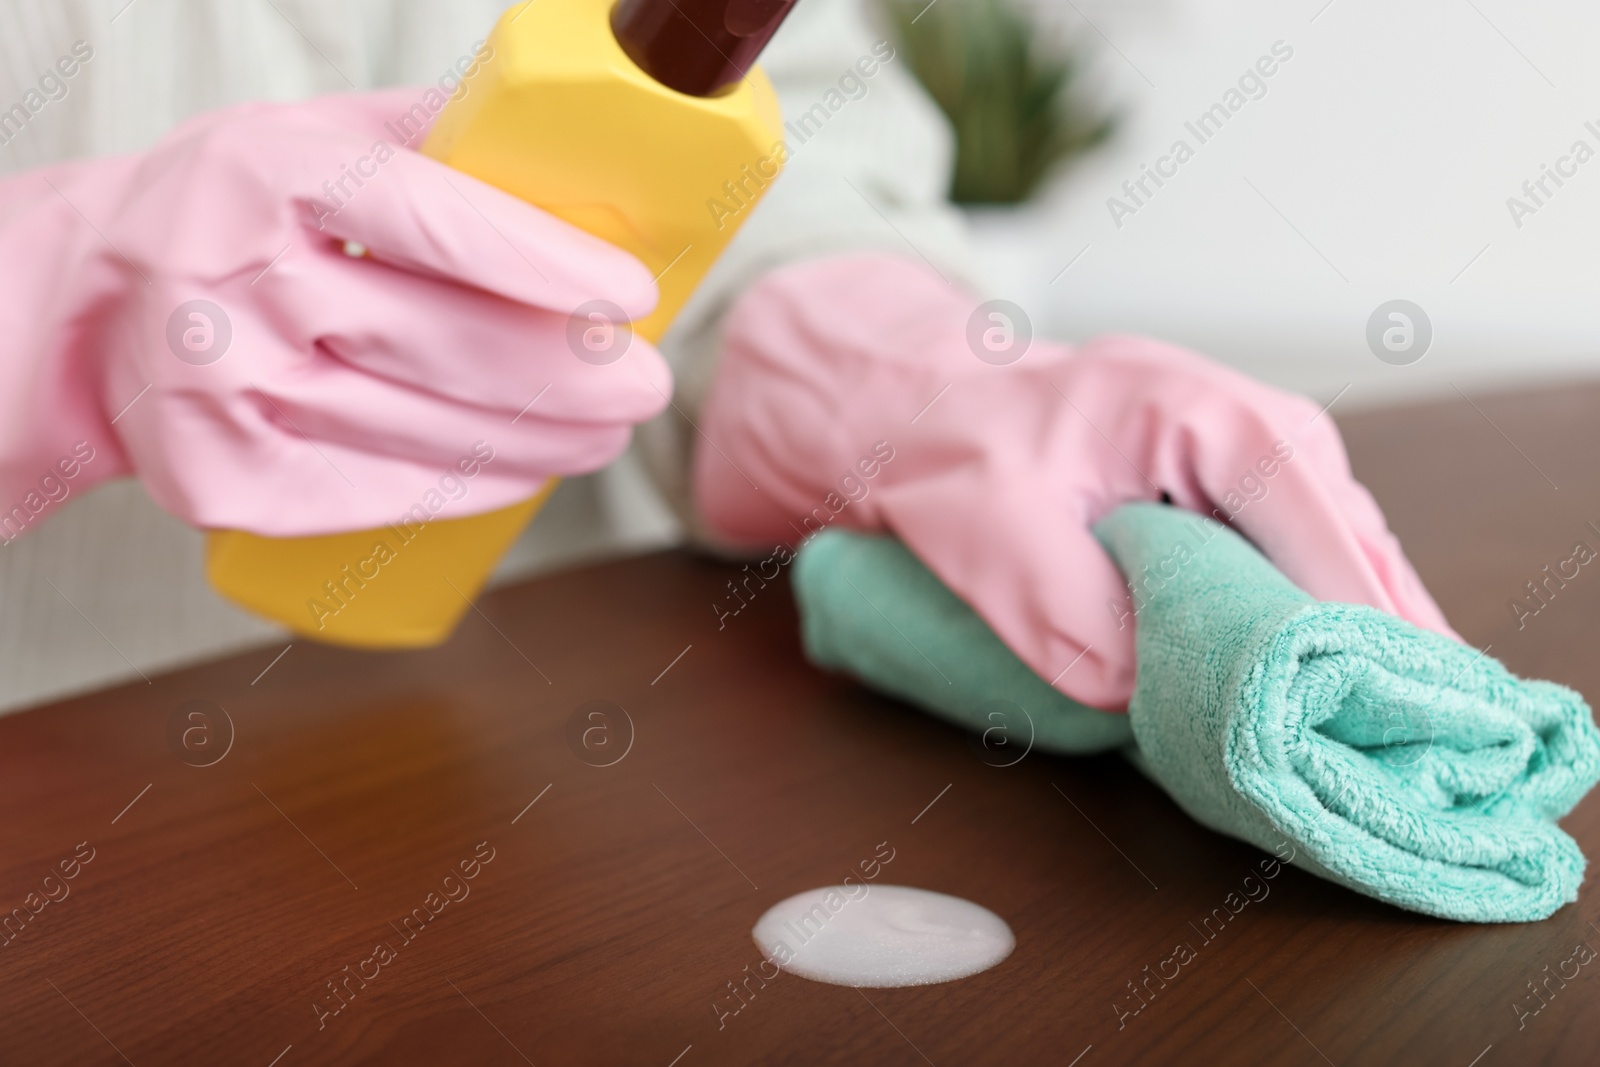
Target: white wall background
{"type": "Point", "coordinates": [1390, 141]}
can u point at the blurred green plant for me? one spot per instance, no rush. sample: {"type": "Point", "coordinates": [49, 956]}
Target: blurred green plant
{"type": "Point", "coordinates": [1014, 100]}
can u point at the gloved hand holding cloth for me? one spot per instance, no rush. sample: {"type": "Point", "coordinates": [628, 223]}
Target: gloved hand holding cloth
{"type": "Point", "coordinates": [1399, 761]}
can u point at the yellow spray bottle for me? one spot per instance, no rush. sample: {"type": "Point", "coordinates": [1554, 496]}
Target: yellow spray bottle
{"type": "Point", "coordinates": [625, 121]}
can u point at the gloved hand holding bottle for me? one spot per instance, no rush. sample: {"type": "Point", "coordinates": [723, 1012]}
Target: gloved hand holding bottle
{"type": "Point", "coordinates": [194, 316]}
{"type": "Point", "coordinates": [999, 472]}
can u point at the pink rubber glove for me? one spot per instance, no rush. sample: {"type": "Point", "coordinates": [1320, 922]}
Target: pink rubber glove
{"type": "Point", "coordinates": [999, 472]}
{"type": "Point", "coordinates": [349, 385]}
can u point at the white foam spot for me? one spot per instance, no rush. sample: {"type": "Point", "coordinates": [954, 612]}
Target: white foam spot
{"type": "Point", "coordinates": [882, 935]}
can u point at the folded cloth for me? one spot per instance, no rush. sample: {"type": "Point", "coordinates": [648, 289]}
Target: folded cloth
{"type": "Point", "coordinates": [1396, 761]}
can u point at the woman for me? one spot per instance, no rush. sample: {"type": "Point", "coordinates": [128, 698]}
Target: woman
{"type": "Point", "coordinates": [118, 202]}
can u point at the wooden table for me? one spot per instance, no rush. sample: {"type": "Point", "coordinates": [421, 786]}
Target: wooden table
{"type": "Point", "coordinates": [616, 903]}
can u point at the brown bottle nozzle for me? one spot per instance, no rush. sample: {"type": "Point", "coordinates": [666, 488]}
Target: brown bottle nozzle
{"type": "Point", "coordinates": [698, 47]}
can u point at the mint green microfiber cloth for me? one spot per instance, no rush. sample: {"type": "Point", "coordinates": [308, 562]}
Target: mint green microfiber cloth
{"type": "Point", "coordinates": [1398, 762]}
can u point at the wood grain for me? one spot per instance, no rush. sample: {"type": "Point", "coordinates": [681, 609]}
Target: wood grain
{"type": "Point", "coordinates": [617, 907]}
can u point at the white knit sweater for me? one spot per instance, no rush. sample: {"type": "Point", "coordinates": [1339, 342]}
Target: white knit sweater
{"type": "Point", "coordinates": [111, 588]}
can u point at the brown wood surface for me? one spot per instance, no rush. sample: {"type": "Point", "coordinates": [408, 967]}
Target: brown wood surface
{"type": "Point", "coordinates": [618, 906]}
